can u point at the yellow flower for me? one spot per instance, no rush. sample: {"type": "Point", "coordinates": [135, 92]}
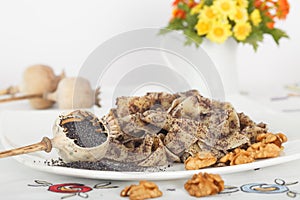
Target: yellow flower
{"type": "Point", "coordinates": [225, 7]}
{"type": "Point", "coordinates": [242, 30]}
{"type": "Point", "coordinates": [203, 26]}
{"type": "Point", "coordinates": [208, 12]}
{"type": "Point", "coordinates": [255, 17]}
{"type": "Point", "coordinates": [197, 8]}
{"type": "Point", "coordinates": [240, 15]}
{"type": "Point", "coordinates": [219, 32]}
{"type": "Point", "coordinates": [242, 3]}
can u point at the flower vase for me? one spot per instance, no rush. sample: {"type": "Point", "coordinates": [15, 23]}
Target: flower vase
{"type": "Point", "coordinates": [225, 60]}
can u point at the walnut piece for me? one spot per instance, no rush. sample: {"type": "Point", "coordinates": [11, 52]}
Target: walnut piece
{"type": "Point", "coordinates": [204, 184]}
{"type": "Point", "coordinates": [200, 160]}
{"type": "Point", "coordinates": [268, 145]}
{"type": "Point", "coordinates": [237, 157]}
{"type": "Point", "coordinates": [144, 190]}
{"type": "Point", "coordinates": [267, 138]}
{"type": "Point", "coordinates": [264, 150]}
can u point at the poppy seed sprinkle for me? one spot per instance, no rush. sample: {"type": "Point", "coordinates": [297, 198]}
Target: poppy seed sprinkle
{"type": "Point", "coordinates": [86, 133]}
{"type": "Point", "coordinates": [106, 165]}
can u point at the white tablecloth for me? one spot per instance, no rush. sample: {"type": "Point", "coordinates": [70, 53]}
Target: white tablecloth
{"type": "Point", "coordinates": [18, 182]}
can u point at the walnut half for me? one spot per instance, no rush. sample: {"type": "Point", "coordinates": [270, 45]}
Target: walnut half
{"type": "Point", "coordinates": [268, 138]}
{"type": "Point", "coordinates": [237, 157]}
{"type": "Point", "coordinates": [204, 185]}
{"type": "Point", "coordinates": [269, 145]}
{"type": "Point", "coordinates": [264, 150]}
{"type": "Point", "coordinates": [145, 190]}
{"type": "Point", "coordinates": [200, 160]}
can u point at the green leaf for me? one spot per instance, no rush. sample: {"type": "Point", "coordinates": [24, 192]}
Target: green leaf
{"type": "Point", "coordinates": [189, 42]}
{"type": "Point", "coordinates": [192, 38]}
{"type": "Point", "coordinates": [164, 31]}
{"type": "Point", "coordinates": [208, 2]}
{"type": "Point", "coordinates": [191, 20]}
{"type": "Point", "coordinates": [277, 34]}
{"type": "Point", "coordinates": [254, 38]}
{"type": "Point", "coordinates": [184, 7]}
{"type": "Point", "coordinates": [251, 6]}
{"type": "Point", "coordinates": [176, 24]}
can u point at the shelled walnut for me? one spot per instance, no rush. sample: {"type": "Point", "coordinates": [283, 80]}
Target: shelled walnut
{"type": "Point", "coordinates": [237, 157]}
{"type": "Point", "coordinates": [200, 160]}
{"type": "Point", "coordinates": [268, 145]}
{"type": "Point", "coordinates": [262, 150]}
{"type": "Point", "coordinates": [204, 184]}
{"type": "Point", "coordinates": [267, 138]}
{"type": "Point", "coordinates": [144, 190]}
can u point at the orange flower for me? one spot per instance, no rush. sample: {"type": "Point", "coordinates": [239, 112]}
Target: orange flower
{"type": "Point", "coordinates": [257, 3]}
{"type": "Point", "coordinates": [270, 25]}
{"type": "Point", "coordinates": [178, 13]}
{"type": "Point", "coordinates": [268, 14]}
{"type": "Point", "coordinates": [176, 2]}
{"type": "Point", "coordinates": [283, 9]}
{"type": "Point", "coordinates": [190, 3]}
{"type": "Point", "coordinates": [264, 5]}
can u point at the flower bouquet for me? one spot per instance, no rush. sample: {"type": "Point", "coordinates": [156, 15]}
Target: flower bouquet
{"type": "Point", "coordinates": [246, 21]}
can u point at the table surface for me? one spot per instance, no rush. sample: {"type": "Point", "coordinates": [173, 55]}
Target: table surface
{"type": "Point", "coordinates": [20, 182]}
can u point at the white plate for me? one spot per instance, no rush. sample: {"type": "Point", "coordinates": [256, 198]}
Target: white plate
{"type": "Point", "coordinates": [20, 128]}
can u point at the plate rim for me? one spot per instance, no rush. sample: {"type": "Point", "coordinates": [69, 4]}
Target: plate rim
{"type": "Point", "coordinates": [34, 162]}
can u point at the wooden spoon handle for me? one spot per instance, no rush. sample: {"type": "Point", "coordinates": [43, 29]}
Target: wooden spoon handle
{"type": "Point", "coordinates": [30, 96]}
{"type": "Point", "coordinates": [44, 145]}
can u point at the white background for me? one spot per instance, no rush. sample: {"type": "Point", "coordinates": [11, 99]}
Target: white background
{"type": "Point", "coordinates": [62, 33]}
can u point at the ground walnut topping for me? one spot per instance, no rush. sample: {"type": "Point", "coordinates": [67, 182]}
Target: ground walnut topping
{"type": "Point", "coordinates": [204, 184]}
{"type": "Point", "coordinates": [268, 145]}
{"type": "Point", "coordinates": [145, 190]}
{"type": "Point", "coordinates": [200, 160]}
